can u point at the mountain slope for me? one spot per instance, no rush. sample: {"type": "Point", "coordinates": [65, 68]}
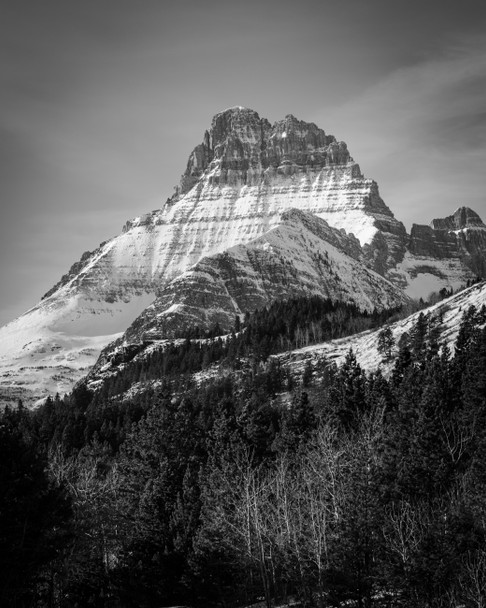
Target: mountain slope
{"type": "Point", "coordinates": [301, 256]}
{"type": "Point", "coordinates": [119, 362]}
{"type": "Point", "coordinates": [445, 317]}
{"type": "Point", "coordinates": [52, 346]}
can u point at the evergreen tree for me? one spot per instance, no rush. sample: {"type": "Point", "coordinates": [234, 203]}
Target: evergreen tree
{"type": "Point", "coordinates": [34, 518]}
{"type": "Point", "coordinates": [386, 342]}
{"type": "Point", "coordinates": [347, 393]}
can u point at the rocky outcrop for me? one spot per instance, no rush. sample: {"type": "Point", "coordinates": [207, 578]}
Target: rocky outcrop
{"type": "Point", "coordinates": [460, 236]}
{"type": "Point", "coordinates": [461, 219]}
{"type": "Point", "coordinates": [438, 244]}
{"type": "Point", "coordinates": [243, 149]}
{"type": "Point", "coordinates": [239, 140]}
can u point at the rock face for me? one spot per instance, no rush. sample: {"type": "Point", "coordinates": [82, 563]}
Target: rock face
{"type": "Point", "coordinates": [247, 150]}
{"type": "Point", "coordinates": [469, 232]}
{"type": "Point", "coordinates": [461, 235]}
{"type": "Point", "coordinates": [238, 185]}
{"type": "Point", "coordinates": [439, 244]}
{"type": "Point", "coordinates": [461, 219]}
{"type": "Point", "coordinates": [301, 256]}
{"type": "Point", "coordinates": [253, 169]}
{"type": "Point", "coordinates": [447, 253]}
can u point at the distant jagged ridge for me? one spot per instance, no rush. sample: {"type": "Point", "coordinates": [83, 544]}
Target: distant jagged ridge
{"type": "Point", "coordinates": [461, 236]}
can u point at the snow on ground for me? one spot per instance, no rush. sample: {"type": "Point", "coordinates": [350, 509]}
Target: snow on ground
{"type": "Point", "coordinates": [49, 348]}
{"type": "Point", "coordinates": [51, 363]}
{"type": "Point", "coordinates": [426, 275]}
{"type": "Point", "coordinates": [364, 345]}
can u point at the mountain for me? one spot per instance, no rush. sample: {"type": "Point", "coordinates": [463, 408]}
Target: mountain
{"type": "Point", "coordinates": [301, 256]}
{"type": "Point", "coordinates": [260, 169]}
{"type": "Point", "coordinates": [236, 188]}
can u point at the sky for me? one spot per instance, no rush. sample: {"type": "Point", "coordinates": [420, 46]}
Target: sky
{"type": "Point", "coordinates": [101, 102]}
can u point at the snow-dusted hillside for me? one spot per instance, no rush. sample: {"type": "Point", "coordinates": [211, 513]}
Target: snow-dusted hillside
{"type": "Point", "coordinates": [446, 316]}
{"type": "Point", "coordinates": [302, 256]}
{"type": "Point", "coordinates": [52, 346]}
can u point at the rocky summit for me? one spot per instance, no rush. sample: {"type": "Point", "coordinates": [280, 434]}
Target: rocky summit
{"type": "Point", "coordinates": [262, 212]}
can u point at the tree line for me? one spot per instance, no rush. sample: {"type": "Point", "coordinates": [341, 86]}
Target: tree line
{"type": "Point", "coordinates": [283, 325]}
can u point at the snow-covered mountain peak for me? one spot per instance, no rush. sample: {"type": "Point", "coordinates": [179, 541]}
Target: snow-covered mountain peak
{"type": "Point", "coordinates": [232, 109]}
{"type": "Point", "coordinates": [242, 148]}
{"type": "Point", "coordinates": [247, 179]}
{"type": "Point", "coordinates": [250, 165]}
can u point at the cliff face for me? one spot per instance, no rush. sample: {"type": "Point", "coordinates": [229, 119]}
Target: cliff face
{"type": "Point", "coordinates": [470, 233]}
{"type": "Point", "coordinates": [460, 236]}
{"type": "Point", "coordinates": [447, 253]}
{"type": "Point", "coordinates": [242, 149]}
{"type": "Point", "coordinates": [438, 244]}
{"type": "Point", "coordinates": [266, 169]}
{"type": "Point", "coordinates": [302, 255]}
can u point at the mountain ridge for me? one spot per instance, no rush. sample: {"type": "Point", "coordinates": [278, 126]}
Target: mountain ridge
{"type": "Point", "coordinates": [302, 255]}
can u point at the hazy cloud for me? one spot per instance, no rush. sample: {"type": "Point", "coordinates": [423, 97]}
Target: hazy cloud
{"type": "Point", "coordinates": [421, 133]}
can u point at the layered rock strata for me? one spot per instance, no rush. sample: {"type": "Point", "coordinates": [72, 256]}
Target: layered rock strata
{"type": "Point", "coordinates": [301, 256]}
{"type": "Point", "coordinates": [238, 182]}
{"type": "Point", "coordinates": [447, 253]}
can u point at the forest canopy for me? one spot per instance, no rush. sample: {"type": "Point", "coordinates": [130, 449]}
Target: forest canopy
{"type": "Point", "coordinates": [338, 486]}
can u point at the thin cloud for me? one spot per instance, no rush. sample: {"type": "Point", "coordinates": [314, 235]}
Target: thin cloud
{"type": "Point", "coordinates": [421, 133]}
